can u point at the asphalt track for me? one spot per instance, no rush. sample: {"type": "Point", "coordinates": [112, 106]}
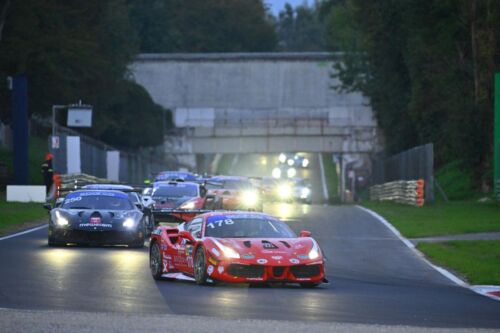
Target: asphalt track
{"type": "Point", "coordinates": [375, 279]}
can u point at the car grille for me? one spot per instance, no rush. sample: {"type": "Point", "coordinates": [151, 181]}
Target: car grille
{"type": "Point", "coordinates": [278, 271]}
{"type": "Point", "coordinates": [246, 271]}
{"type": "Point", "coordinates": [305, 271]}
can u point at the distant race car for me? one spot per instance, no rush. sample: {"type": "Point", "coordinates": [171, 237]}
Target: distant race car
{"type": "Point", "coordinates": [181, 196]}
{"type": "Point", "coordinates": [301, 190]}
{"type": "Point", "coordinates": [237, 193]}
{"type": "Point", "coordinates": [236, 247]}
{"type": "Point", "coordinates": [175, 175]}
{"type": "Point", "coordinates": [294, 160]}
{"type": "Point", "coordinates": [96, 217]}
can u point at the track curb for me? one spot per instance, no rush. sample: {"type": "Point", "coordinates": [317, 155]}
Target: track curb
{"type": "Point", "coordinates": [492, 292]}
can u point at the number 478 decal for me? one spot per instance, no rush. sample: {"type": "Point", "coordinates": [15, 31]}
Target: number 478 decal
{"type": "Point", "coordinates": [219, 223]}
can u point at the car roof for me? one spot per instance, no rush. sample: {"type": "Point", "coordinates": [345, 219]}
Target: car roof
{"type": "Point", "coordinates": [170, 183]}
{"type": "Point", "coordinates": [113, 193]}
{"type": "Point", "coordinates": [234, 212]}
{"type": "Point", "coordinates": [107, 187]}
{"type": "Point", "coordinates": [219, 178]}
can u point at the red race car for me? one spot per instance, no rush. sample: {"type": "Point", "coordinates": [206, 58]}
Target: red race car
{"type": "Point", "coordinates": [237, 247]}
{"type": "Point", "coordinates": [237, 193]}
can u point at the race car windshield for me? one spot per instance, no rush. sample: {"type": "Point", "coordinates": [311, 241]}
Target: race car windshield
{"type": "Point", "coordinates": [98, 202]}
{"type": "Point", "coordinates": [175, 192]}
{"type": "Point", "coordinates": [226, 227]}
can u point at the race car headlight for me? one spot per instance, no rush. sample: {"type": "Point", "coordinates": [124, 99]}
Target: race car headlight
{"type": "Point", "coordinates": [313, 254]}
{"type": "Point", "coordinates": [128, 223]}
{"type": "Point", "coordinates": [227, 251]}
{"type": "Point", "coordinates": [290, 162]}
{"type": "Point", "coordinates": [305, 163]}
{"type": "Point", "coordinates": [250, 198]}
{"type": "Point", "coordinates": [305, 192]}
{"type": "Point", "coordinates": [284, 191]}
{"type": "Point", "coordinates": [187, 205]}
{"type": "Point", "coordinates": [276, 173]}
{"type": "Point", "coordinates": [61, 220]}
{"type": "Point", "coordinates": [291, 172]}
{"type": "Point", "coordinates": [282, 158]}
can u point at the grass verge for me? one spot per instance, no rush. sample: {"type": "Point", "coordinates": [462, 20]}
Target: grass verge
{"type": "Point", "coordinates": [478, 261]}
{"type": "Point", "coordinates": [15, 215]}
{"type": "Point", "coordinates": [440, 219]}
{"type": "Point", "coordinates": [331, 178]}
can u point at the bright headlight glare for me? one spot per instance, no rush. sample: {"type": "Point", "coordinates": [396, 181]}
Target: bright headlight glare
{"type": "Point", "coordinates": [250, 198]}
{"type": "Point", "coordinates": [282, 158]}
{"type": "Point", "coordinates": [290, 162]}
{"type": "Point", "coordinates": [188, 205]}
{"type": "Point", "coordinates": [304, 193]}
{"type": "Point", "coordinates": [128, 223]}
{"type": "Point", "coordinates": [305, 163]}
{"type": "Point", "coordinates": [227, 251]}
{"type": "Point", "coordinates": [291, 172]}
{"type": "Point", "coordinates": [284, 191]}
{"type": "Point", "coordinates": [314, 253]}
{"type": "Point", "coordinates": [61, 220]}
{"type": "Point", "coordinates": [276, 173]}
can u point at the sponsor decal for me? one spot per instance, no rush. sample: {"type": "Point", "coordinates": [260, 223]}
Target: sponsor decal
{"type": "Point", "coordinates": [255, 279]}
{"type": "Point", "coordinates": [164, 247]}
{"type": "Point", "coordinates": [248, 256]}
{"type": "Point", "coordinates": [212, 261]}
{"type": "Point", "coordinates": [214, 251]}
{"type": "Point", "coordinates": [269, 245]}
{"type": "Point", "coordinates": [95, 220]}
{"type": "Point", "coordinates": [294, 261]}
{"type": "Point", "coordinates": [189, 250]}
{"type": "Point", "coordinates": [277, 257]}
{"type": "Point", "coordinates": [303, 256]}
{"type": "Point", "coordinates": [210, 269]}
{"type": "Point", "coordinates": [219, 223]}
{"type": "Point", "coordinates": [220, 269]}
{"type": "Point", "coordinates": [262, 261]}
{"type": "Point", "coordinates": [102, 225]}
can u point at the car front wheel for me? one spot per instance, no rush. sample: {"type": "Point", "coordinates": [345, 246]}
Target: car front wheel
{"type": "Point", "coordinates": [200, 267]}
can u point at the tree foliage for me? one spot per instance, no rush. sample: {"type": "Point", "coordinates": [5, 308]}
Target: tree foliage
{"type": "Point", "coordinates": [428, 69]}
{"type": "Point", "coordinates": [203, 25]}
{"type": "Point", "coordinates": [301, 28]}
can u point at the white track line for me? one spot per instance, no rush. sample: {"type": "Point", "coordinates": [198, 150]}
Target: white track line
{"type": "Point", "coordinates": [323, 178]}
{"type": "Point", "coordinates": [409, 244]}
{"type": "Point", "coordinates": [24, 232]}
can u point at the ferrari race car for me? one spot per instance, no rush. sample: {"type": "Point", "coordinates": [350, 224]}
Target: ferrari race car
{"type": "Point", "coordinates": [175, 175]}
{"type": "Point", "coordinates": [237, 193]}
{"type": "Point", "coordinates": [237, 246]}
{"type": "Point", "coordinates": [172, 198]}
{"type": "Point", "coordinates": [96, 217]}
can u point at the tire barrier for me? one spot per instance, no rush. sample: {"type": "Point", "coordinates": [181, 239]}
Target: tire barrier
{"type": "Point", "coordinates": [69, 182]}
{"type": "Point", "coordinates": [410, 192]}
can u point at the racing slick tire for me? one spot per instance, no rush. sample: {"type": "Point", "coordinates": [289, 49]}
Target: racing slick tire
{"type": "Point", "coordinates": [309, 285]}
{"type": "Point", "coordinates": [200, 267]}
{"type": "Point", "coordinates": [155, 261]}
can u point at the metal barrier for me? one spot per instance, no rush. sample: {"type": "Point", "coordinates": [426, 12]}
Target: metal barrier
{"type": "Point", "coordinates": [409, 192]}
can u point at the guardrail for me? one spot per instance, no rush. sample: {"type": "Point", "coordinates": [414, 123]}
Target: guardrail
{"type": "Point", "coordinates": [409, 192]}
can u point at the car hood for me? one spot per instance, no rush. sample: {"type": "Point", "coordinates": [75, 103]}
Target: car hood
{"type": "Point", "coordinates": [276, 251]}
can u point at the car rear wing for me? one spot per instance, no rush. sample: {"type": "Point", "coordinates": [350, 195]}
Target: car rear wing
{"type": "Point", "coordinates": [176, 215]}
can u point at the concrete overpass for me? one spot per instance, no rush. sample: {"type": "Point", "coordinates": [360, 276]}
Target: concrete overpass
{"type": "Point", "coordinates": [256, 103]}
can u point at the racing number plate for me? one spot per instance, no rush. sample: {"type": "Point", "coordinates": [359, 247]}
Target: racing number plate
{"type": "Point", "coordinates": [95, 220]}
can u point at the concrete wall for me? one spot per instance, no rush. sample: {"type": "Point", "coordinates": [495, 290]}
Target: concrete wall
{"type": "Point", "coordinates": [257, 95]}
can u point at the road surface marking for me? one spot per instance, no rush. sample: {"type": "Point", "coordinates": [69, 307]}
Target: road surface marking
{"type": "Point", "coordinates": [24, 232]}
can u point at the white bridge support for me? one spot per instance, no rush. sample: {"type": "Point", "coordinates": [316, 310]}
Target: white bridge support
{"type": "Point", "coordinates": [257, 103]}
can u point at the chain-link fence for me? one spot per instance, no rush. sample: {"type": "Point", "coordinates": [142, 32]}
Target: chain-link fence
{"type": "Point", "coordinates": [412, 164]}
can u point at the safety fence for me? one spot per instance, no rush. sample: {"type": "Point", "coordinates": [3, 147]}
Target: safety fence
{"type": "Point", "coordinates": [75, 153]}
{"type": "Point", "coordinates": [415, 163]}
{"type": "Point", "coordinates": [411, 192]}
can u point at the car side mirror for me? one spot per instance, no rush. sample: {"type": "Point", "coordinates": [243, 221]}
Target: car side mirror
{"type": "Point", "coordinates": [47, 206]}
{"type": "Point", "coordinates": [139, 206]}
{"type": "Point", "coordinates": [305, 233]}
{"type": "Point", "coordinates": [187, 236]}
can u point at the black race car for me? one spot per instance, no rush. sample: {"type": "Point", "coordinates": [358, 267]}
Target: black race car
{"type": "Point", "coordinates": [96, 217]}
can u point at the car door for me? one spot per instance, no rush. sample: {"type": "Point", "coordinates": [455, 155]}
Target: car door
{"type": "Point", "coordinates": [184, 262]}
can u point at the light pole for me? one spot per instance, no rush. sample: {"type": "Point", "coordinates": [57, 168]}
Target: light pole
{"type": "Point", "coordinates": [54, 110]}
